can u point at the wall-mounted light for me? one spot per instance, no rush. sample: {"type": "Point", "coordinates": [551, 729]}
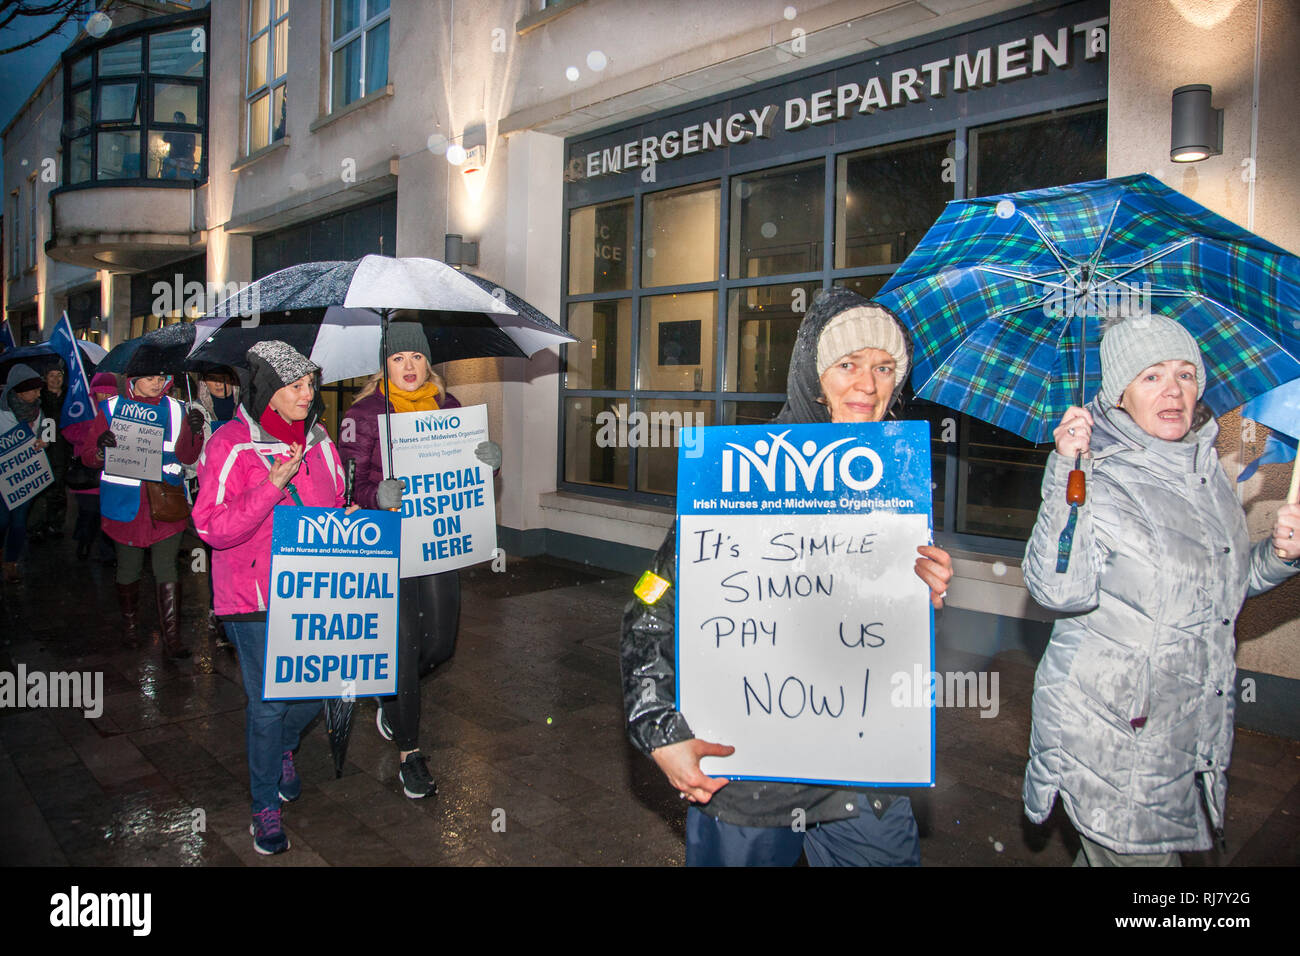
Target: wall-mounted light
{"type": "Point", "coordinates": [457, 252]}
{"type": "Point", "coordinates": [1196, 127]}
{"type": "Point", "coordinates": [475, 157]}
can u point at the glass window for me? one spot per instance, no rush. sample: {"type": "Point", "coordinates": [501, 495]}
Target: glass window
{"type": "Point", "coordinates": [268, 66]}
{"type": "Point", "coordinates": [358, 50]}
{"type": "Point", "coordinates": [81, 115]}
{"type": "Point", "coordinates": [602, 356]}
{"type": "Point", "coordinates": [257, 62]}
{"type": "Point", "coordinates": [173, 54]}
{"type": "Point", "coordinates": [679, 235]}
{"type": "Point", "coordinates": [593, 453]}
{"type": "Point", "coordinates": [119, 103]}
{"type": "Point", "coordinates": [886, 198]}
{"type": "Point", "coordinates": [175, 103]}
{"type": "Point", "coordinates": [259, 117]}
{"type": "Point", "coordinates": [121, 59]}
{"type": "Point", "coordinates": [118, 156]}
{"type": "Point", "coordinates": [762, 322]}
{"type": "Point", "coordinates": [678, 334]}
{"type": "Point", "coordinates": [80, 72]}
{"type": "Point", "coordinates": [79, 160]}
{"type": "Point", "coordinates": [865, 286]}
{"type": "Point", "coordinates": [1067, 146]}
{"type": "Point", "coordinates": [174, 154]}
{"type": "Point", "coordinates": [600, 238]}
{"type": "Point", "coordinates": [660, 423]}
{"type": "Point", "coordinates": [776, 221]}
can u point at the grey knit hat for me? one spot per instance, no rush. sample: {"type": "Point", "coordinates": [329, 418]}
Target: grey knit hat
{"type": "Point", "coordinates": [866, 326]}
{"type": "Point", "coordinates": [283, 360]}
{"type": "Point", "coordinates": [1131, 345]}
{"type": "Point", "coordinates": [405, 337]}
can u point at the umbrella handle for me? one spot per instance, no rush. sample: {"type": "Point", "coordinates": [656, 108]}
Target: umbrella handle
{"type": "Point", "coordinates": [1076, 486]}
{"type": "Point", "coordinates": [1293, 493]}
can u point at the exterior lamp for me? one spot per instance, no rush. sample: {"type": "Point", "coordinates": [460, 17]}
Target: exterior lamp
{"type": "Point", "coordinates": [457, 252]}
{"type": "Point", "coordinates": [1196, 127]}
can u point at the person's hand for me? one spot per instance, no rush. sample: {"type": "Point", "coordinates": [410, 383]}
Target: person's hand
{"type": "Point", "coordinates": [195, 419]}
{"type": "Point", "coordinates": [680, 763]}
{"type": "Point", "coordinates": [388, 494]}
{"type": "Point", "coordinates": [39, 444]}
{"type": "Point", "coordinates": [1286, 532]}
{"type": "Point", "coordinates": [489, 452]}
{"type": "Point", "coordinates": [934, 567]}
{"type": "Point", "coordinates": [1074, 434]}
{"type": "Point", "coordinates": [106, 440]}
{"type": "Point", "coordinates": [350, 508]}
{"type": "Point", "coordinates": [282, 472]}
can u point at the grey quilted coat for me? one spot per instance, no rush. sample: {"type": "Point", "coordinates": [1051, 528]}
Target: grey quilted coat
{"type": "Point", "coordinates": [1133, 699]}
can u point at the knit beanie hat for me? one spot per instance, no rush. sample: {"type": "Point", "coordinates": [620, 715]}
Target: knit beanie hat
{"type": "Point", "coordinates": [1131, 345]}
{"type": "Point", "coordinates": [405, 337]}
{"type": "Point", "coordinates": [864, 327]}
{"type": "Point", "coordinates": [284, 361]}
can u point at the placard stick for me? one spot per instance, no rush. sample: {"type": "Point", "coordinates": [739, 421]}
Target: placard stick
{"type": "Point", "coordinates": [1293, 494]}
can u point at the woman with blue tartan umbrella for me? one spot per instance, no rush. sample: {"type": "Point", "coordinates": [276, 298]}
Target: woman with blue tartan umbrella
{"type": "Point", "coordinates": [1134, 697]}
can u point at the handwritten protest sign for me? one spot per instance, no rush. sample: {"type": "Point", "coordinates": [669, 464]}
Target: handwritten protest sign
{"type": "Point", "coordinates": [138, 429]}
{"type": "Point", "coordinates": [24, 469]}
{"type": "Point", "coordinates": [331, 626]}
{"type": "Point", "coordinates": [449, 517]}
{"type": "Point", "coordinates": [797, 601]}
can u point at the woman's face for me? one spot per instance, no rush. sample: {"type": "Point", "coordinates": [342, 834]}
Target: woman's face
{"type": "Point", "coordinates": [54, 380]}
{"type": "Point", "coordinates": [31, 395]}
{"type": "Point", "coordinates": [218, 385]}
{"type": "Point", "coordinates": [293, 402]}
{"type": "Point", "coordinates": [858, 386]}
{"type": "Point", "coordinates": [149, 386]}
{"type": "Point", "coordinates": [1162, 399]}
{"type": "Point", "coordinates": [408, 370]}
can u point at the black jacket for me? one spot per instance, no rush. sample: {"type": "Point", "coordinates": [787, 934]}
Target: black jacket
{"type": "Point", "coordinates": [648, 649]}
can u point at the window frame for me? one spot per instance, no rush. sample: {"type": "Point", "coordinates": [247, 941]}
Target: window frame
{"type": "Point", "coordinates": [362, 31]}
{"type": "Point", "coordinates": [266, 90]}
{"type": "Point", "coordinates": [825, 276]}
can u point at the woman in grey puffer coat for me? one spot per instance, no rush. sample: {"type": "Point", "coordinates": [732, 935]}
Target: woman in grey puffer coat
{"type": "Point", "coordinates": [1134, 697]}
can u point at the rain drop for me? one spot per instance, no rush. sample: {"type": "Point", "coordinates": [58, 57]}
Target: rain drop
{"type": "Point", "coordinates": [571, 74]}
{"type": "Point", "coordinates": [998, 846]}
{"type": "Point", "coordinates": [436, 143]}
{"type": "Point", "coordinates": [456, 154]}
{"type": "Point", "coordinates": [1005, 209]}
{"type": "Point", "coordinates": [650, 253]}
{"type": "Point", "coordinates": [790, 13]}
{"type": "Point", "coordinates": [957, 149]}
{"type": "Point", "coordinates": [297, 182]}
{"type": "Point", "coordinates": [98, 23]}
{"type": "Point", "coordinates": [768, 229]}
{"type": "Point", "coordinates": [999, 568]}
{"type": "Point", "coordinates": [595, 61]}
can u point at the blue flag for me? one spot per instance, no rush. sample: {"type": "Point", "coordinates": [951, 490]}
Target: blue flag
{"type": "Point", "coordinates": [77, 405]}
{"type": "Point", "coordinates": [6, 337]}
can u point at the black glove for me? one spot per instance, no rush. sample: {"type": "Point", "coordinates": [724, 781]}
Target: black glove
{"type": "Point", "coordinates": [389, 494]}
{"type": "Point", "coordinates": [107, 440]}
{"type": "Point", "coordinates": [195, 418]}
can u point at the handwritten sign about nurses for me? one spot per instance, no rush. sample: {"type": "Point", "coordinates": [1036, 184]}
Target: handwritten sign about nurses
{"type": "Point", "coordinates": [797, 600]}
{"type": "Point", "coordinates": [331, 626]}
{"type": "Point", "coordinates": [139, 451]}
{"type": "Point", "coordinates": [24, 469]}
{"type": "Point", "coordinates": [449, 517]}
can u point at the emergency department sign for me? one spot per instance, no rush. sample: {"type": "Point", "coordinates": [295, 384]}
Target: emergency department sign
{"type": "Point", "coordinates": [797, 601]}
{"type": "Point", "coordinates": [331, 626]}
{"type": "Point", "coordinates": [24, 468]}
{"type": "Point", "coordinates": [449, 513]}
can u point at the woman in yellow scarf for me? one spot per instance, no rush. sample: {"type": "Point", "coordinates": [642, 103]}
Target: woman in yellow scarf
{"type": "Point", "coordinates": [429, 606]}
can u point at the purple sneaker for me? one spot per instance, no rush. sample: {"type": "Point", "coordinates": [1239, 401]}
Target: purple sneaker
{"type": "Point", "coordinates": [269, 837]}
{"type": "Point", "coordinates": [290, 782]}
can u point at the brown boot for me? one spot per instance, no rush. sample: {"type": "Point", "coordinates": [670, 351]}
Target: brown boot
{"type": "Point", "coordinates": [128, 600]}
{"type": "Point", "coordinates": [169, 621]}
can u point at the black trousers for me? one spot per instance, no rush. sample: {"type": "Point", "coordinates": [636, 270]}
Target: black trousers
{"type": "Point", "coordinates": [428, 614]}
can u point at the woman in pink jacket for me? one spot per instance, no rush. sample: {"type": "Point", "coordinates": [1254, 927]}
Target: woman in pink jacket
{"type": "Point", "coordinates": [273, 453]}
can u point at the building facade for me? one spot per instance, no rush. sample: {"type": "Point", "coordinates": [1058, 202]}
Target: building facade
{"type": "Point", "coordinates": [672, 181]}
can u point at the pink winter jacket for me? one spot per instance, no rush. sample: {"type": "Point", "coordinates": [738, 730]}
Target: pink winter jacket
{"type": "Point", "coordinates": [233, 512]}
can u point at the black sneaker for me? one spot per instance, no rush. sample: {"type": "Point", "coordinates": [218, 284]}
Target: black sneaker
{"type": "Point", "coordinates": [268, 833]}
{"type": "Point", "coordinates": [417, 782]}
{"type": "Point", "coordinates": [381, 722]}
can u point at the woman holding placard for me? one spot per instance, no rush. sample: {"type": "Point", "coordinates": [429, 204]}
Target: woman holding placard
{"type": "Point", "coordinates": [849, 364]}
{"type": "Point", "coordinates": [430, 605]}
{"type": "Point", "coordinates": [20, 403]}
{"type": "Point", "coordinates": [274, 452]}
{"type": "Point", "coordinates": [130, 514]}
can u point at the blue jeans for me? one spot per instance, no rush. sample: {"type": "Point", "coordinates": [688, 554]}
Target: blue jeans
{"type": "Point", "coordinates": [863, 840]}
{"type": "Point", "coordinates": [271, 726]}
{"type": "Point", "coordinates": [13, 529]}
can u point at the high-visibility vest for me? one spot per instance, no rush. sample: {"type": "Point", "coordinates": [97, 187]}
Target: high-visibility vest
{"type": "Point", "coordinates": [119, 498]}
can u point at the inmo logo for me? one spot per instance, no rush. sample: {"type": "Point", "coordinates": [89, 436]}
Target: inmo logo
{"type": "Point", "coordinates": [814, 467]}
{"type": "Point", "coordinates": [436, 424]}
{"type": "Point", "coordinates": [331, 529]}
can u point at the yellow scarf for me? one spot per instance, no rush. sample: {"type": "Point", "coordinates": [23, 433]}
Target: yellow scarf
{"type": "Point", "coordinates": [423, 399]}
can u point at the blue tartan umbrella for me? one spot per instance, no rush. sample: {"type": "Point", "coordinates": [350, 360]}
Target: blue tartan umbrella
{"type": "Point", "coordinates": [1005, 296]}
{"type": "Point", "coordinates": [1279, 410]}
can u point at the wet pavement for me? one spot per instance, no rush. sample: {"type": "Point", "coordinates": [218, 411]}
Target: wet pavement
{"type": "Point", "coordinates": [523, 729]}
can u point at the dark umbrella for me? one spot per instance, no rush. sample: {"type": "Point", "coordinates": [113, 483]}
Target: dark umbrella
{"type": "Point", "coordinates": [43, 356]}
{"type": "Point", "coordinates": [338, 726]}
